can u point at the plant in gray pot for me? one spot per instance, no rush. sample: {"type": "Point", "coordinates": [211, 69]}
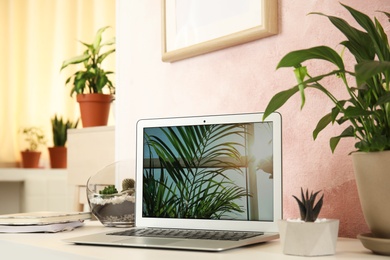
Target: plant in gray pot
{"type": "Point", "coordinates": [309, 236]}
{"type": "Point", "coordinates": [365, 112]}
{"type": "Point", "coordinates": [92, 84]}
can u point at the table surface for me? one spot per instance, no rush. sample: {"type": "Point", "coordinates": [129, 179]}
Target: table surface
{"type": "Point", "coordinates": [50, 245]}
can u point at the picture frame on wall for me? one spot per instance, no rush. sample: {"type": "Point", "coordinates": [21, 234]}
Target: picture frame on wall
{"type": "Point", "coordinates": [195, 27]}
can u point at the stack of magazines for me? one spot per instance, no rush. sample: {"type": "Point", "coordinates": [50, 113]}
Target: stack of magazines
{"type": "Point", "coordinates": [43, 221]}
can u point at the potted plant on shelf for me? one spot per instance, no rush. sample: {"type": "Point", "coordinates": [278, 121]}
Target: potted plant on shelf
{"type": "Point", "coordinates": [309, 236]}
{"type": "Point", "coordinates": [58, 153]}
{"type": "Point", "coordinates": [35, 137]}
{"type": "Point", "coordinates": [365, 112]}
{"type": "Point", "coordinates": [92, 85]}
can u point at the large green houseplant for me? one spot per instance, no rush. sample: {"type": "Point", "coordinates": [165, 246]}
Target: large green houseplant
{"type": "Point", "coordinates": [92, 83]}
{"type": "Point", "coordinates": [58, 153]}
{"type": "Point", "coordinates": [366, 111]}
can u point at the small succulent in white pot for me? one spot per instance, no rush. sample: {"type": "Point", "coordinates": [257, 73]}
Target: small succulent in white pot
{"type": "Point", "coordinates": [308, 235]}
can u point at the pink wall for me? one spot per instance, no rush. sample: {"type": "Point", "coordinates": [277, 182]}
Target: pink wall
{"type": "Point", "coordinates": [243, 79]}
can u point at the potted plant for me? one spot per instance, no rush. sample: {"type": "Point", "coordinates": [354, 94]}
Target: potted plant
{"type": "Point", "coordinates": [365, 112]}
{"type": "Point", "coordinates": [35, 137]}
{"type": "Point", "coordinates": [91, 84]}
{"type": "Point", "coordinates": [309, 236]}
{"type": "Point", "coordinates": [58, 153]}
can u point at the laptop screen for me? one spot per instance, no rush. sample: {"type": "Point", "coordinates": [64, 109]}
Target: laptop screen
{"type": "Point", "coordinates": [215, 168]}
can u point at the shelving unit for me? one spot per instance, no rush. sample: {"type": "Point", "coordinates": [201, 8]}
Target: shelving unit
{"type": "Point", "coordinates": [89, 150]}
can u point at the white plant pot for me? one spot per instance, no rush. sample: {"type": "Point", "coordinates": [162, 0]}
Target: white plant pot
{"type": "Point", "coordinates": [308, 238]}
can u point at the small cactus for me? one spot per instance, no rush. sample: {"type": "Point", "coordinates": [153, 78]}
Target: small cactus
{"type": "Point", "coordinates": [309, 212]}
{"type": "Point", "coordinates": [127, 184]}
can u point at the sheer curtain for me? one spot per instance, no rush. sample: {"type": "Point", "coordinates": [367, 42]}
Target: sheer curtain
{"type": "Point", "coordinates": [36, 36]}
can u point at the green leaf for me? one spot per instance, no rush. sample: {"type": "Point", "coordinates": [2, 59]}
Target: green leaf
{"type": "Point", "coordinates": [75, 60]}
{"type": "Point", "coordinates": [348, 132]}
{"type": "Point", "coordinates": [325, 121]}
{"type": "Point", "coordinates": [295, 58]}
{"type": "Point", "coordinates": [359, 43]}
{"type": "Point", "coordinates": [300, 75]}
{"type": "Point", "coordinates": [278, 100]}
{"type": "Point", "coordinates": [368, 69]}
{"type": "Point", "coordinates": [98, 37]}
{"type": "Point", "coordinates": [381, 47]}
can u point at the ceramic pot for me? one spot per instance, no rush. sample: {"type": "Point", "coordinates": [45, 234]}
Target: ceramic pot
{"type": "Point", "coordinates": [373, 180]}
{"type": "Point", "coordinates": [308, 238]}
{"type": "Point", "coordinates": [30, 159]}
{"type": "Point", "coordinates": [94, 109]}
{"type": "Point", "coordinates": [58, 157]}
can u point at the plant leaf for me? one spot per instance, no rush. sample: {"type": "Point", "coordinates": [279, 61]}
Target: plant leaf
{"type": "Point", "coordinates": [74, 60]}
{"type": "Point", "coordinates": [348, 132]}
{"type": "Point", "coordinates": [278, 100]}
{"type": "Point", "coordinates": [324, 121]}
{"type": "Point", "coordinates": [295, 58]}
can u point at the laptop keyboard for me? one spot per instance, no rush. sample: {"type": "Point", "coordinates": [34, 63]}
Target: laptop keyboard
{"type": "Point", "coordinates": [188, 233]}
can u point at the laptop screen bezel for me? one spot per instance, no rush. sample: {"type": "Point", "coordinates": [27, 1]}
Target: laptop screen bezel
{"type": "Point", "coordinates": [264, 226]}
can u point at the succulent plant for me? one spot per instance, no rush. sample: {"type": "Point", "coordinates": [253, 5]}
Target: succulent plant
{"type": "Point", "coordinates": [309, 212]}
{"type": "Point", "coordinates": [127, 185]}
{"type": "Point", "coordinates": [60, 128]}
{"type": "Point", "coordinates": [110, 189]}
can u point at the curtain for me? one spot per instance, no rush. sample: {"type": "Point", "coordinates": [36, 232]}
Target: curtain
{"type": "Point", "coordinates": [36, 37]}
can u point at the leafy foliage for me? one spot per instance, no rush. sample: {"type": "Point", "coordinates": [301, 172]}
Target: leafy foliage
{"type": "Point", "coordinates": [367, 110]}
{"type": "Point", "coordinates": [94, 78]}
{"type": "Point", "coordinates": [309, 212]}
{"type": "Point", "coordinates": [34, 136]}
{"type": "Point", "coordinates": [110, 189]}
{"type": "Point", "coordinates": [60, 129]}
{"type": "Point", "coordinates": [185, 188]}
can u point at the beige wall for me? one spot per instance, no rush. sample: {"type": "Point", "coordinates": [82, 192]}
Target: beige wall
{"type": "Point", "coordinates": [241, 79]}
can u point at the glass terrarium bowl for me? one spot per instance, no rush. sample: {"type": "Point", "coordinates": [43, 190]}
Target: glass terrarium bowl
{"type": "Point", "coordinates": [112, 210]}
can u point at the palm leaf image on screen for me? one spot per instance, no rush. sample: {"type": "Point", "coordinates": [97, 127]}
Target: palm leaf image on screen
{"type": "Point", "coordinates": [188, 169]}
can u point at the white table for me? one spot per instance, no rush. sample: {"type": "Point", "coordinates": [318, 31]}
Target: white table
{"type": "Point", "coordinates": [51, 246]}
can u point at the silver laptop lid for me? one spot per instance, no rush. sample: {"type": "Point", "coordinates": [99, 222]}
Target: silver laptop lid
{"type": "Point", "coordinates": [211, 172]}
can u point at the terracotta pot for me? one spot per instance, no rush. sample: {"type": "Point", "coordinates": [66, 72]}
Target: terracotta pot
{"type": "Point", "coordinates": [373, 181]}
{"type": "Point", "coordinates": [58, 157]}
{"type": "Point", "coordinates": [94, 109]}
{"type": "Point", "coordinates": [30, 159]}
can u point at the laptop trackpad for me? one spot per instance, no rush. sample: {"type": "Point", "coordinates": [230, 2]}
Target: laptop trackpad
{"type": "Point", "coordinates": [147, 241]}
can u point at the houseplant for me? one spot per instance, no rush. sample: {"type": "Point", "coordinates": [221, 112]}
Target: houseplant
{"type": "Point", "coordinates": [35, 137]}
{"type": "Point", "coordinates": [58, 153]}
{"type": "Point", "coordinates": [309, 236]}
{"type": "Point", "coordinates": [365, 112]}
{"type": "Point", "coordinates": [92, 84]}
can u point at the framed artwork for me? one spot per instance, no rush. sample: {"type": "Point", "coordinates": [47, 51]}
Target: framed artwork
{"type": "Point", "coordinates": [195, 27]}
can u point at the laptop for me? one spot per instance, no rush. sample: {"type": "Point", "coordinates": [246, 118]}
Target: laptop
{"type": "Point", "coordinates": [201, 176]}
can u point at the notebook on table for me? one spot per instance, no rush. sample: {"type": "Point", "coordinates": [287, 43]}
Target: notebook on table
{"type": "Point", "coordinates": [204, 183]}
